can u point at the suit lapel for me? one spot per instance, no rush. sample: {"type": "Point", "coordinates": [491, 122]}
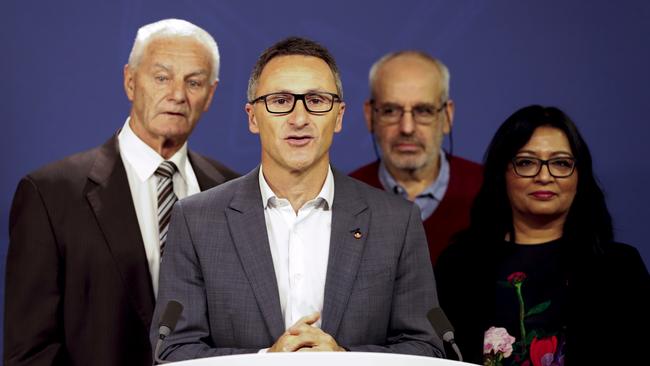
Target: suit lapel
{"type": "Point", "coordinates": [110, 198]}
{"type": "Point", "coordinates": [349, 216]}
{"type": "Point", "coordinates": [248, 228]}
{"type": "Point", "coordinates": [206, 174]}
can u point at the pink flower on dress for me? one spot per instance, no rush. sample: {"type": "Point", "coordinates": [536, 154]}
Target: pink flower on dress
{"type": "Point", "coordinates": [498, 341]}
{"type": "Point", "coordinates": [516, 278]}
{"type": "Point", "coordinates": [542, 351]}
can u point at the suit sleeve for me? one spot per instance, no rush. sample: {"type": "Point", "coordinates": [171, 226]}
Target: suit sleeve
{"type": "Point", "coordinates": [181, 279]}
{"type": "Point", "coordinates": [413, 296]}
{"type": "Point", "coordinates": [33, 332]}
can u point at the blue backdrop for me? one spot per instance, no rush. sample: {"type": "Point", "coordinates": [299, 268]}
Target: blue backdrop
{"type": "Point", "coordinates": [61, 77]}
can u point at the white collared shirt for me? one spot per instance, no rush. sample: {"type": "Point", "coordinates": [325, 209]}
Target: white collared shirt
{"type": "Point", "coordinates": [140, 162]}
{"type": "Point", "coordinates": [300, 248]}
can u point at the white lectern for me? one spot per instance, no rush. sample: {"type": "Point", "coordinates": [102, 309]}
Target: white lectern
{"type": "Point", "coordinates": [319, 359]}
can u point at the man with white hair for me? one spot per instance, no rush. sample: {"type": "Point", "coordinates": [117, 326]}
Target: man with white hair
{"type": "Point", "coordinates": [87, 233]}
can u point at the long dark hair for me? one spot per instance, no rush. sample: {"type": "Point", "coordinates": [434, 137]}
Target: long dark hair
{"type": "Point", "coordinates": [588, 223]}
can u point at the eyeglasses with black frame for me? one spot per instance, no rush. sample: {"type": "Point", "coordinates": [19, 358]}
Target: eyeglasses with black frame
{"type": "Point", "coordinates": [283, 103]}
{"type": "Point", "coordinates": [528, 167]}
{"type": "Point", "coordinates": [390, 113]}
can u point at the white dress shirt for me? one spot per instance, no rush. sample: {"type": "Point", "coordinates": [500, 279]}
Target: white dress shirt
{"type": "Point", "coordinates": [300, 248]}
{"type": "Point", "coordinates": [140, 162]}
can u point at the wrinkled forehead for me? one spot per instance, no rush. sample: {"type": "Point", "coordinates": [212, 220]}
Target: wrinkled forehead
{"type": "Point", "coordinates": [177, 49]}
{"type": "Point", "coordinates": [408, 80]}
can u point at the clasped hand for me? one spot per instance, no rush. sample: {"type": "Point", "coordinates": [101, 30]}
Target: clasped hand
{"type": "Point", "coordinates": [303, 337]}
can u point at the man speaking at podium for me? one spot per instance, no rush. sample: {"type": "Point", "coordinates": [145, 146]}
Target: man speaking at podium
{"type": "Point", "coordinates": [296, 256]}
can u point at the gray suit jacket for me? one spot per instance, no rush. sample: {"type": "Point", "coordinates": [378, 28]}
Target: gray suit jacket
{"type": "Point", "coordinates": [218, 264]}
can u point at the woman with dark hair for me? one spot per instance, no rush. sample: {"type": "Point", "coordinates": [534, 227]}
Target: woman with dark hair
{"type": "Point", "coordinates": [537, 278]}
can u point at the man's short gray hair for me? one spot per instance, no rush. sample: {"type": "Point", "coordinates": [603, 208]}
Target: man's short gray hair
{"type": "Point", "coordinates": [442, 68]}
{"type": "Point", "coordinates": [171, 28]}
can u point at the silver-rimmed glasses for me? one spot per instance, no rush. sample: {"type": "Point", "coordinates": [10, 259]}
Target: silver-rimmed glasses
{"type": "Point", "coordinates": [390, 113]}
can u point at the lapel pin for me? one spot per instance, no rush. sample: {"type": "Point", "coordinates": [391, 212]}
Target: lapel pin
{"type": "Point", "coordinates": [356, 233]}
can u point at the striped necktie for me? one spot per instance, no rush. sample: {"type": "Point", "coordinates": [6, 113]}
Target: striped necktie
{"type": "Point", "coordinates": [166, 199]}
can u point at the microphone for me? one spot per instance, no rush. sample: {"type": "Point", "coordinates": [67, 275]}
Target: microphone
{"type": "Point", "coordinates": [167, 324]}
{"type": "Point", "coordinates": [443, 327]}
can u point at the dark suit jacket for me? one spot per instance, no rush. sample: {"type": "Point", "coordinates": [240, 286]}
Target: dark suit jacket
{"type": "Point", "coordinates": [78, 288]}
{"type": "Point", "coordinates": [218, 264]}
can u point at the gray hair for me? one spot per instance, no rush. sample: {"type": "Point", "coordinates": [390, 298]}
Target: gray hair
{"type": "Point", "coordinates": [442, 68]}
{"type": "Point", "coordinates": [293, 46]}
{"type": "Point", "coordinates": [170, 28]}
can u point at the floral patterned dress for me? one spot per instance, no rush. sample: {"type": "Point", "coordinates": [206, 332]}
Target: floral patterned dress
{"type": "Point", "coordinates": [529, 323]}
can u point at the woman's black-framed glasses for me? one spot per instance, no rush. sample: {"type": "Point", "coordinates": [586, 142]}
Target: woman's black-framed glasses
{"type": "Point", "coordinates": [282, 103]}
{"type": "Point", "coordinates": [528, 167]}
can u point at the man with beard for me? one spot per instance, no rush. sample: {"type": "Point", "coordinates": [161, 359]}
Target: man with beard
{"type": "Point", "coordinates": [408, 113]}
